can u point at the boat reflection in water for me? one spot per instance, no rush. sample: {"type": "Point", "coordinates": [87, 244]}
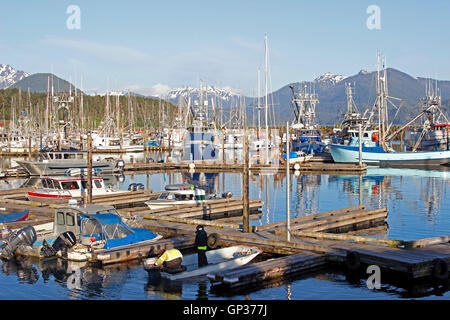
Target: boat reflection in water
{"type": "Point", "coordinates": [376, 188]}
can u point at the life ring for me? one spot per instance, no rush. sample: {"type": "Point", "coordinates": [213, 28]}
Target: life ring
{"type": "Point", "coordinates": [213, 240]}
{"type": "Point", "coordinates": [352, 260]}
{"type": "Point", "coordinates": [440, 269]}
{"type": "Point", "coordinates": [375, 136]}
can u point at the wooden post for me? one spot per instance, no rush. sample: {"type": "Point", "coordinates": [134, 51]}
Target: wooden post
{"type": "Point", "coordinates": [223, 147]}
{"type": "Point", "coordinates": [288, 184]}
{"type": "Point", "coordinates": [29, 147]}
{"type": "Point", "coordinates": [89, 169]}
{"type": "Point", "coordinates": [245, 191]}
{"type": "Point", "coordinates": [360, 145]}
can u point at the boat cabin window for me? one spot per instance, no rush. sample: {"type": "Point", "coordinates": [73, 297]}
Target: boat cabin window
{"type": "Point", "coordinates": [95, 184]}
{"type": "Point", "coordinates": [60, 218]}
{"type": "Point", "coordinates": [91, 226]}
{"type": "Point", "coordinates": [98, 184]}
{"type": "Point", "coordinates": [70, 219]}
{"type": "Point", "coordinates": [70, 185]}
{"type": "Point", "coordinates": [166, 195]}
{"type": "Point", "coordinates": [181, 197]}
{"type": "Point", "coordinates": [50, 184]}
{"type": "Point", "coordinates": [116, 231]}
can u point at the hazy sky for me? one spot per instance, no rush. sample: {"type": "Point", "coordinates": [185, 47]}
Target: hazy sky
{"type": "Point", "coordinates": [151, 45]}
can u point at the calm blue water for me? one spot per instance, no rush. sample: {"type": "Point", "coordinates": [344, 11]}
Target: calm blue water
{"type": "Point", "coordinates": [418, 206]}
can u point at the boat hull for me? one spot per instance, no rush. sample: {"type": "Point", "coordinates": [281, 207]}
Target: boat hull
{"type": "Point", "coordinates": [377, 156]}
{"type": "Point", "coordinates": [219, 259]}
{"type": "Point", "coordinates": [59, 167]}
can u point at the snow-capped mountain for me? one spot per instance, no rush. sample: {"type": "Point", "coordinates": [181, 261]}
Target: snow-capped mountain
{"type": "Point", "coordinates": [330, 78]}
{"type": "Point", "coordinates": [224, 94]}
{"type": "Point", "coordinates": [9, 76]}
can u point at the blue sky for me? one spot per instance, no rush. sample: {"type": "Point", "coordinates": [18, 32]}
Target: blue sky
{"type": "Point", "coordinates": [152, 45]}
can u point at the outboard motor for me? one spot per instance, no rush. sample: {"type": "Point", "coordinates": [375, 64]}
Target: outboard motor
{"type": "Point", "coordinates": [132, 187]}
{"type": "Point", "coordinates": [227, 194]}
{"type": "Point", "coordinates": [66, 240]}
{"type": "Point", "coordinates": [120, 164]}
{"type": "Point", "coordinates": [25, 236]}
{"type": "Point", "coordinates": [140, 186]}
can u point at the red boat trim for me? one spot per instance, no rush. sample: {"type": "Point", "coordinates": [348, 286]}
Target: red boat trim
{"type": "Point", "coordinates": [43, 195]}
{"type": "Point", "coordinates": [24, 217]}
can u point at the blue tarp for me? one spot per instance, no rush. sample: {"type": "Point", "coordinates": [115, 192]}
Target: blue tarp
{"type": "Point", "coordinates": [136, 234]}
{"type": "Point", "coordinates": [13, 216]}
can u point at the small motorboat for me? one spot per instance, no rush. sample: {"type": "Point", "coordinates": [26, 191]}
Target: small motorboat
{"type": "Point", "coordinates": [62, 189]}
{"type": "Point", "coordinates": [82, 231]}
{"type": "Point", "coordinates": [218, 259]}
{"type": "Point", "coordinates": [177, 194]}
{"type": "Point", "coordinates": [297, 157]}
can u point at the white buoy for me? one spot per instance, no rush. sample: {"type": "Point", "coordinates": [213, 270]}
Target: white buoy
{"type": "Point", "coordinates": [297, 173]}
{"type": "Point", "coordinates": [191, 166]}
{"type": "Point", "coordinates": [296, 166]}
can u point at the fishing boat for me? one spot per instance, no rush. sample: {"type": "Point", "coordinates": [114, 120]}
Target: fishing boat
{"type": "Point", "coordinates": [89, 228]}
{"type": "Point", "coordinates": [177, 194]}
{"type": "Point", "coordinates": [307, 135]}
{"type": "Point", "coordinates": [61, 189]}
{"type": "Point", "coordinates": [57, 162]}
{"type": "Point", "coordinates": [218, 260]}
{"type": "Point", "coordinates": [375, 148]}
{"type": "Point", "coordinates": [372, 152]}
{"type": "Point", "coordinates": [296, 157]}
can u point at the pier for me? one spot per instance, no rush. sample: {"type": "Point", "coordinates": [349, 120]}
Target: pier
{"type": "Point", "coordinates": [316, 241]}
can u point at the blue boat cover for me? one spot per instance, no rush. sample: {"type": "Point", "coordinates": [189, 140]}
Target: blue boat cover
{"type": "Point", "coordinates": [110, 220]}
{"type": "Point", "coordinates": [13, 216]}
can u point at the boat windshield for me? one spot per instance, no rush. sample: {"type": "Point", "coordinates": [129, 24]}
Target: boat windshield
{"type": "Point", "coordinates": [70, 185]}
{"type": "Point", "coordinates": [116, 231]}
{"type": "Point", "coordinates": [50, 184]}
{"type": "Point", "coordinates": [166, 196]}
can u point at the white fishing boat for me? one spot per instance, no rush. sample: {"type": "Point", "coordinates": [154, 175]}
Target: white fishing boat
{"type": "Point", "coordinates": [57, 162]}
{"type": "Point", "coordinates": [61, 189]}
{"type": "Point", "coordinates": [219, 259]}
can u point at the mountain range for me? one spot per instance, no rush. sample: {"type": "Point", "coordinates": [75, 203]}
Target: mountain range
{"type": "Point", "coordinates": [329, 87]}
{"type": "Point", "coordinates": [9, 76]}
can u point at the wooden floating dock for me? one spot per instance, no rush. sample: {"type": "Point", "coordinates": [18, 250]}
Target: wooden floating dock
{"type": "Point", "coordinates": [226, 167]}
{"type": "Point", "coordinates": [316, 240]}
{"type": "Point", "coordinates": [259, 272]}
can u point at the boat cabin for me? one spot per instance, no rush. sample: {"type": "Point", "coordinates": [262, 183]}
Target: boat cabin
{"type": "Point", "coordinates": [64, 183]}
{"type": "Point", "coordinates": [70, 218]}
{"type": "Point", "coordinates": [369, 138]}
{"type": "Point", "coordinates": [54, 154]}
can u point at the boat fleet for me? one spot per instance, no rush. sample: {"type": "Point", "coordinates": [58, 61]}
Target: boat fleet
{"type": "Point", "coordinates": [81, 231]}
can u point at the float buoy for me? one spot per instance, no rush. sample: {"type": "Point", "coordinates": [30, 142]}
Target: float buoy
{"type": "Point", "coordinates": [440, 269]}
{"type": "Point", "coordinates": [352, 260]}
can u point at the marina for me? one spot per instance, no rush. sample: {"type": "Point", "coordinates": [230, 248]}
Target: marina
{"type": "Point", "coordinates": [189, 158]}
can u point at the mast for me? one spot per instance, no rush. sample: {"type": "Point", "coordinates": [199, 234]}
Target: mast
{"type": "Point", "coordinates": [259, 103]}
{"type": "Point", "coordinates": [266, 153]}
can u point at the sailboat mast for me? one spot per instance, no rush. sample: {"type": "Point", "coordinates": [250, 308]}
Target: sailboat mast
{"type": "Point", "coordinates": [266, 154]}
{"type": "Point", "coordinates": [259, 103]}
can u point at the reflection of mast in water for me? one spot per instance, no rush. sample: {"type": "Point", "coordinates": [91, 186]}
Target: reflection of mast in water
{"type": "Point", "coordinates": [432, 193]}
{"type": "Point", "coordinates": [307, 188]}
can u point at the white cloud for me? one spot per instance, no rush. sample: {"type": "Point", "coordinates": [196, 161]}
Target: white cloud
{"type": "Point", "coordinates": [110, 52]}
{"type": "Point", "coordinates": [157, 90]}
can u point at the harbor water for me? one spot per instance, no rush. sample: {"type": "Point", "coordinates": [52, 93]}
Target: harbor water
{"type": "Point", "coordinates": [418, 206]}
